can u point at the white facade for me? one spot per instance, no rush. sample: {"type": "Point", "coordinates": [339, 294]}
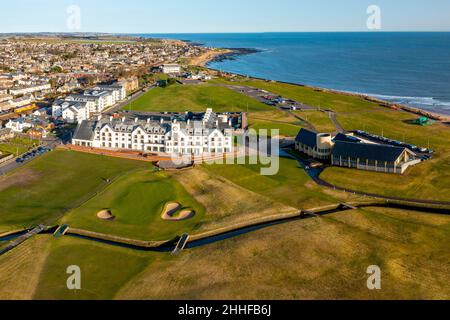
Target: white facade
{"type": "Point", "coordinates": [31, 89]}
{"type": "Point", "coordinates": [18, 125]}
{"type": "Point", "coordinates": [71, 111]}
{"type": "Point", "coordinates": [78, 107]}
{"type": "Point", "coordinates": [171, 68]}
{"type": "Point", "coordinates": [118, 91]}
{"type": "Point", "coordinates": [75, 114]}
{"type": "Point", "coordinates": [166, 136]}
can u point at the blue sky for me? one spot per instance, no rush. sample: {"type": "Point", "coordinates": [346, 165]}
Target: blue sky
{"type": "Point", "coordinates": [189, 16]}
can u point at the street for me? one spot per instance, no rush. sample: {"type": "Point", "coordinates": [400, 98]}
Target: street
{"type": "Point", "coordinates": [13, 165]}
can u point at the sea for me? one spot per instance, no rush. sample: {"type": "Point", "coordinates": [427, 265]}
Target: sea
{"type": "Point", "coordinates": [410, 68]}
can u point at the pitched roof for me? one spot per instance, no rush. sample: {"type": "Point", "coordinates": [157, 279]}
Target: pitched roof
{"type": "Point", "coordinates": [85, 130]}
{"type": "Point", "coordinates": [368, 151]}
{"type": "Point", "coordinates": [346, 138]}
{"type": "Point", "coordinates": [307, 137]}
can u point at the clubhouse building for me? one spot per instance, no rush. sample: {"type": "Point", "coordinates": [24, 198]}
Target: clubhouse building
{"type": "Point", "coordinates": [162, 133]}
{"type": "Point", "coordinates": [351, 152]}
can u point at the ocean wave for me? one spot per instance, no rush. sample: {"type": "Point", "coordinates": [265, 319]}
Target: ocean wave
{"type": "Point", "coordinates": [420, 101]}
{"type": "Point", "coordinates": [424, 103]}
{"type": "Point", "coordinates": [411, 100]}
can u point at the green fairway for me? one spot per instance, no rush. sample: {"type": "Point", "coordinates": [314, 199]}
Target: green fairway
{"type": "Point", "coordinates": [275, 120]}
{"type": "Point", "coordinates": [290, 186]}
{"type": "Point", "coordinates": [137, 201]}
{"type": "Point", "coordinates": [45, 188]}
{"type": "Point", "coordinates": [104, 269]}
{"type": "Point", "coordinates": [182, 98]}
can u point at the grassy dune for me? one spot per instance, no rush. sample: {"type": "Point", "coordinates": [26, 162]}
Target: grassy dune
{"type": "Point", "coordinates": [227, 203]}
{"type": "Point", "coordinates": [290, 186]}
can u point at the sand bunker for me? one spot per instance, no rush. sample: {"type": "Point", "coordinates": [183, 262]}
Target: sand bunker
{"type": "Point", "coordinates": [105, 215]}
{"type": "Point", "coordinates": [172, 208]}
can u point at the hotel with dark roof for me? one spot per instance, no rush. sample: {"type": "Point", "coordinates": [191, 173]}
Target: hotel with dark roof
{"type": "Point", "coordinates": [346, 150]}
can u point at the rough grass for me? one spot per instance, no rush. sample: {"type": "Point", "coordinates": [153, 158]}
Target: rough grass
{"type": "Point", "coordinates": [20, 269]}
{"type": "Point", "coordinates": [321, 258]}
{"type": "Point", "coordinates": [324, 258]}
{"type": "Point", "coordinates": [42, 190]}
{"type": "Point", "coordinates": [137, 201]}
{"type": "Point", "coordinates": [215, 194]}
{"type": "Point", "coordinates": [182, 98]}
{"type": "Point", "coordinates": [290, 186]}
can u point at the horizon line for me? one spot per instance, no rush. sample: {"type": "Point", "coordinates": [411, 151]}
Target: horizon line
{"type": "Point", "coordinates": [221, 32]}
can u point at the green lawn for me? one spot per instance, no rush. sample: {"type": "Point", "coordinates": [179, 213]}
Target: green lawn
{"type": "Point", "coordinates": [48, 186]}
{"type": "Point", "coordinates": [181, 98]}
{"type": "Point", "coordinates": [18, 146]}
{"type": "Point", "coordinates": [320, 120]}
{"type": "Point", "coordinates": [310, 96]}
{"type": "Point", "coordinates": [137, 201]}
{"type": "Point", "coordinates": [291, 186]}
{"type": "Point", "coordinates": [275, 119]}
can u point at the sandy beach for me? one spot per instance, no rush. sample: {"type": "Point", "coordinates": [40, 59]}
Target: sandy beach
{"type": "Point", "coordinates": [203, 59]}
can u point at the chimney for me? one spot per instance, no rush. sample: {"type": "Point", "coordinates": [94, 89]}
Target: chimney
{"type": "Point", "coordinates": [217, 123]}
{"type": "Point", "coordinates": [111, 118]}
{"type": "Point", "coordinates": [162, 120]}
{"type": "Point", "coordinates": [148, 120]}
{"type": "Point", "coordinates": [99, 117]}
{"type": "Point", "coordinates": [136, 120]}
{"type": "Point", "coordinates": [123, 119]}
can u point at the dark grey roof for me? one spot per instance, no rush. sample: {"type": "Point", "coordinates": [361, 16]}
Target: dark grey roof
{"type": "Point", "coordinates": [85, 130]}
{"type": "Point", "coordinates": [368, 151]}
{"type": "Point", "coordinates": [307, 137]}
{"type": "Point", "coordinates": [346, 138]}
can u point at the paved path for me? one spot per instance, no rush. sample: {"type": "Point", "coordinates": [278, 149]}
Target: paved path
{"type": "Point", "coordinates": [15, 243]}
{"type": "Point", "coordinates": [337, 125]}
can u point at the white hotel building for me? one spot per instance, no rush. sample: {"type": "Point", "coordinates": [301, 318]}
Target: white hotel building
{"type": "Point", "coordinates": [167, 134]}
{"type": "Point", "coordinates": [78, 107]}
